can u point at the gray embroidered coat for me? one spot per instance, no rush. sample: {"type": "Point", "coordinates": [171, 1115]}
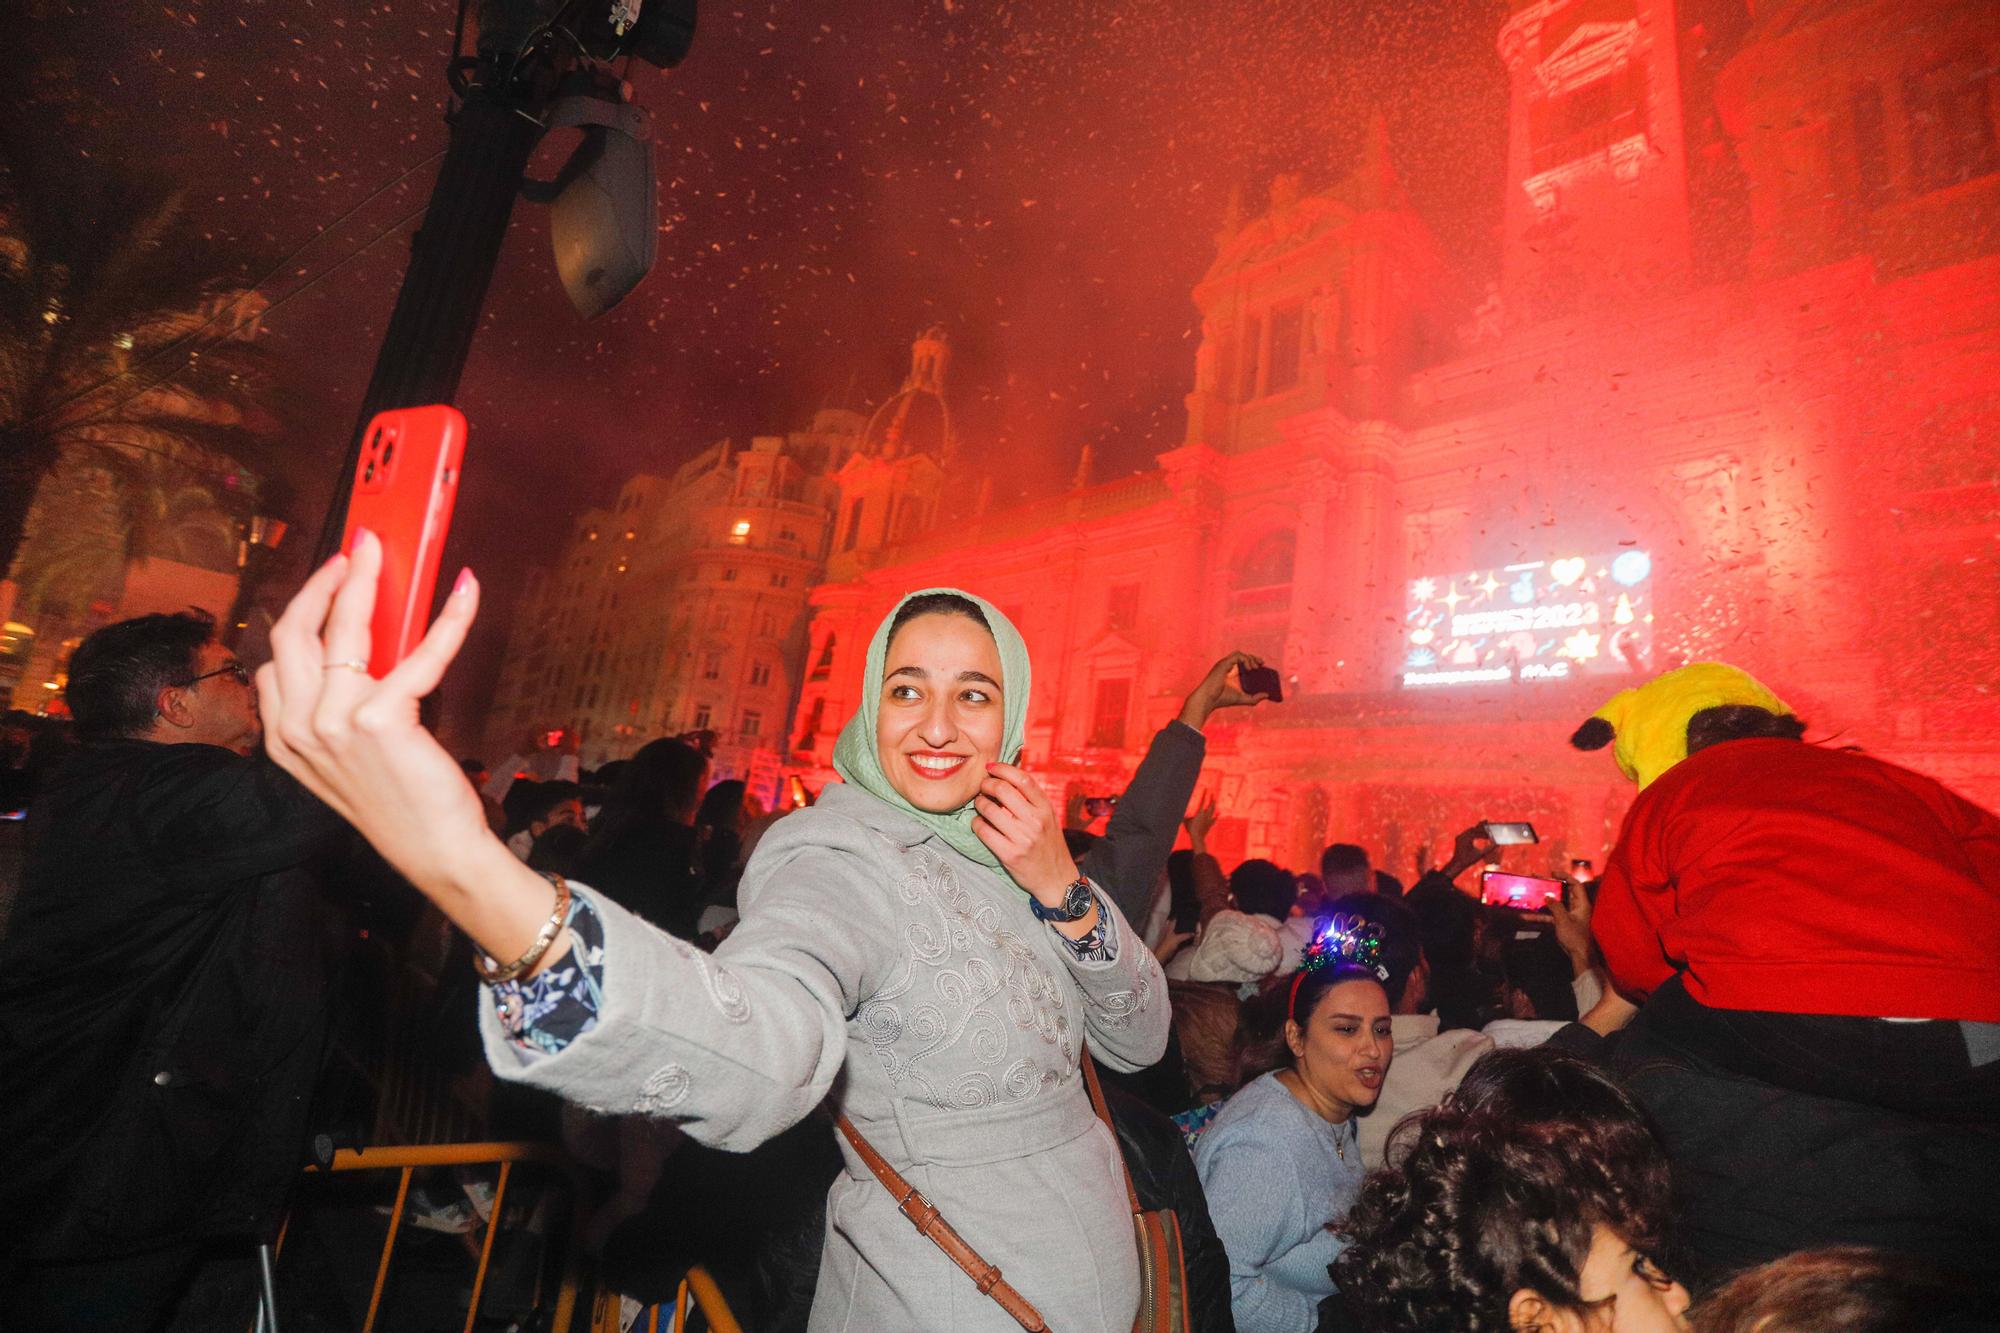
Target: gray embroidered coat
{"type": "Point", "coordinates": [876, 963]}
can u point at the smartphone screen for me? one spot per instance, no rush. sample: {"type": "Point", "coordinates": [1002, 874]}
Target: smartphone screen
{"type": "Point", "coordinates": [1527, 893]}
{"type": "Point", "coordinates": [1511, 834]}
{"type": "Point", "coordinates": [405, 484]}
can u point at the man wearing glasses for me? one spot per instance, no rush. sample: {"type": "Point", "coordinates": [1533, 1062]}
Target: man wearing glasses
{"type": "Point", "coordinates": [165, 986]}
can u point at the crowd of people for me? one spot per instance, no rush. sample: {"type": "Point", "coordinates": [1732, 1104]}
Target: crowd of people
{"type": "Point", "coordinates": [1747, 1080]}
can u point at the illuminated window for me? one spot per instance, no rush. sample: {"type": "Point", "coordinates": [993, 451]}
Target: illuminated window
{"type": "Point", "coordinates": [740, 533]}
{"type": "Point", "coordinates": [591, 535]}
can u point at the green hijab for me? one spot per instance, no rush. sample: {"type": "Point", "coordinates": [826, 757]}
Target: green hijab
{"type": "Point", "coordinates": [858, 762]}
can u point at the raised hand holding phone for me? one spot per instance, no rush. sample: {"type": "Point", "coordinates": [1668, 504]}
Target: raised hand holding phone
{"type": "Point", "coordinates": [404, 487]}
{"type": "Point", "coordinates": [357, 744]}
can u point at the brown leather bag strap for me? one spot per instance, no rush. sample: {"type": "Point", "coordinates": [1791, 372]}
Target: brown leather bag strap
{"type": "Point", "coordinates": [1103, 1109]}
{"type": "Point", "coordinates": [930, 1223]}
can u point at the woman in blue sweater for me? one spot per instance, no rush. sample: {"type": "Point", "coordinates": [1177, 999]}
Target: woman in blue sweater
{"type": "Point", "coordinates": [1279, 1162]}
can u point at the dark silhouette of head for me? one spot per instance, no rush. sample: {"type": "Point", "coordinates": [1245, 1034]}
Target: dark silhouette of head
{"type": "Point", "coordinates": [1262, 888]}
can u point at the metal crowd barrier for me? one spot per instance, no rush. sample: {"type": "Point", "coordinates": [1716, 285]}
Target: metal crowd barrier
{"type": "Point", "coordinates": [419, 1120]}
{"type": "Point", "coordinates": [697, 1291]}
{"type": "Point", "coordinates": [406, 1160]}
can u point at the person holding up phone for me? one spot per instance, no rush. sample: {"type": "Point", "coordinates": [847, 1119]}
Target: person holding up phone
{"type": "Point", "coordinates": [936, 859]}
{"type": "Point", "coordinates": [1130, 857]}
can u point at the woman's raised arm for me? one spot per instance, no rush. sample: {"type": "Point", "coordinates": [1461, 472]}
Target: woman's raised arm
{"type": "Point", "coordinates": [357, 744]}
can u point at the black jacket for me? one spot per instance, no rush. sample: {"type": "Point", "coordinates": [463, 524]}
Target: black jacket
{"type": "Point", "coordinates": [1163, 1176]}
{"type": "Point", "coordinates": [648, 866]}
{"type": "Point", "coordinates": [164, 996]}
{"type": "Point", "coordinates": [1132, 855]}
{"type": "Point", "coordinates": [1128, 861]}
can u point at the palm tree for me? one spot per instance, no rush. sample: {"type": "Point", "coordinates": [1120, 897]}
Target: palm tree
{"type": "Point", "coordinates": [124, 341]}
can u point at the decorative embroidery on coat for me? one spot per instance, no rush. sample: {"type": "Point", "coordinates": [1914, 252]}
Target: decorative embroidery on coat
{"type": "Point", "coordinates": [935, 1007]}
{"type": "Point", "coordinates": [1121, 1007]}
{"type": "Point", "coordinates": [725, 989]}
{"type": "Point", "coordinates": [664, 1089]}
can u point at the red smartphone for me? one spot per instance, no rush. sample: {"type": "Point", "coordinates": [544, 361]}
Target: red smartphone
{"type": "Point", "coordinates": [1262, 680]}
{"type": "Point", "coordinates": [1526, 893]}
{"type": "Point", "coordinates": [404, 488]}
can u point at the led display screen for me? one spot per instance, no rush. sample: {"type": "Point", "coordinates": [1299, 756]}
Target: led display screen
{"type": "Point", "coordinates": [1546, 620]}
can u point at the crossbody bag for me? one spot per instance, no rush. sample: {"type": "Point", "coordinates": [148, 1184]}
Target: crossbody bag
{"type": "Point", "coordinates": [1163, 1306]}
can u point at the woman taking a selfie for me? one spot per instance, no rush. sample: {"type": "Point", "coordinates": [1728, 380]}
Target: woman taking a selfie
{"type": "Point", "coordinates": [921, 930]}
{"type": "Point", "coordinates": [1280, 1161]}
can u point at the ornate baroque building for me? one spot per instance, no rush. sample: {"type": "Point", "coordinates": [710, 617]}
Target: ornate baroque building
{"type": "Point", "coordinates": [1732, 395]}
{"type": "Point", "coordinates": [688, 596]}
{"type": "Point", "coordinates": [682, 606]}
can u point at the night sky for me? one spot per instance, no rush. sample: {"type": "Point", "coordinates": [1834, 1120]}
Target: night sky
{"type": "Point", "coordinates": [1044, 179]}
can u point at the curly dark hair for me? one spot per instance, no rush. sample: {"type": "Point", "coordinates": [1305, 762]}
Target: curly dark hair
{"type": "Point", "coordinates": [1500, 1188]}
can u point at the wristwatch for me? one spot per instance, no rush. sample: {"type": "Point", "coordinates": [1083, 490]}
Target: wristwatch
{"type": "Point", "coordinates": [1077, 901]}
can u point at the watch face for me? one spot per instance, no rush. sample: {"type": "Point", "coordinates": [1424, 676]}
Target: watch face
{"type": "Point", "coordinates": [1076, 903]}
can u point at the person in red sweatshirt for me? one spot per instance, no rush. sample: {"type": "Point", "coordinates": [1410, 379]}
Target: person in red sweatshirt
{"type": "Point", "coordinates": [1815, 934]}
{"type": "Point", "coordinates": [1876, 890]}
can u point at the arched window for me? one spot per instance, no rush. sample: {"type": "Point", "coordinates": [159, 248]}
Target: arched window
{"type": "Point", "coordinates": [1262, 577]}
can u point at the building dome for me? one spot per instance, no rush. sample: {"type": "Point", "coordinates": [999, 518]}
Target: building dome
{"type": "Point", "coordinates": [915, 419]}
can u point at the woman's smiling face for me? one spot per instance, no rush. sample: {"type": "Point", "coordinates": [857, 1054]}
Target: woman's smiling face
{"type": "Point", "coordinates": [941, 717]}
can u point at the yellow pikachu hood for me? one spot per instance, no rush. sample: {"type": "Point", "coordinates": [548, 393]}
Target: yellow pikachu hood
{"type": "Point", "coordinates": [1650, 721]}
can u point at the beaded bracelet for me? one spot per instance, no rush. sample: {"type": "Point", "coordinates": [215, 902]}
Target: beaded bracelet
{"type": "Point", "coordinates": [493, 974]}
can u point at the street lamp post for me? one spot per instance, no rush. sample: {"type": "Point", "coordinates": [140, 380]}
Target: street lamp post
{"type": "Point", "coordinates": [533, 54]}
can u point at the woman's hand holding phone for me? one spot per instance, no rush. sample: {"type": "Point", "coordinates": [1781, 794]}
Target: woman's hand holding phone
{"type": "Point", "coordinates": [1216, 690]}
{"type": "Point", "coordinates": [356, 743]}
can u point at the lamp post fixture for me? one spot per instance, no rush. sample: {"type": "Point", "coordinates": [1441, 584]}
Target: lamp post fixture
{"type": "Point", "coordinates": [540, 64]}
